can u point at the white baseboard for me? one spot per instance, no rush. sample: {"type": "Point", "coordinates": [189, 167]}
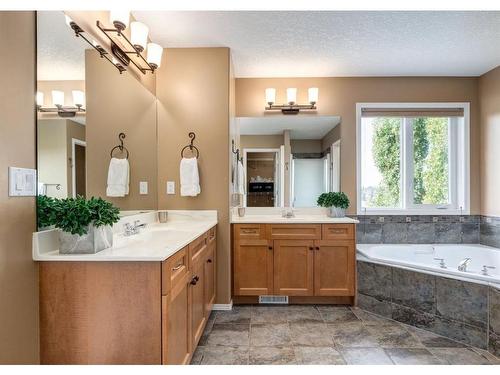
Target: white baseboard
{"type": "Point", "coordinates": [223, 306]}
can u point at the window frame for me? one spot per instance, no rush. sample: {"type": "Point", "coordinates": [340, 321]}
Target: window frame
{"type": "Point", "coordinates": [459, 177]}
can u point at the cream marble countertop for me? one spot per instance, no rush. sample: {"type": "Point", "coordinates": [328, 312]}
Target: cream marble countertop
{"type": "Point", "coordinates": [273, 215]}
{"type": "Point", "coordinates": [156, 242]}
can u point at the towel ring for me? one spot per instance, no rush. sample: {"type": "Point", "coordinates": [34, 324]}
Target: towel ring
{"type": "Point", "coordinates": [191, 146]}
{"type": "Point", "coordinates": [121, 147]}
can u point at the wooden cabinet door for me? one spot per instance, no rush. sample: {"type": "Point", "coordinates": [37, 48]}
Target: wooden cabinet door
{"type": "Point", "coordinates": [253, 267]}
{"type": "Point", "coordinates": [293, 267]}
{"type": "Point", "coordinates": [176, 324]}
{"type": "Point", "coordinates": [334, 268]}
{"type": "Point", "coordinates": [197, 289]}
{"type": "Point", "coordinates": [209, 273]}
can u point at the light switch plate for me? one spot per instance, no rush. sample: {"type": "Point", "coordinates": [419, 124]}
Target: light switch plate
{"type": "Point", "coordinates": [22, 182]}
{"type": "Point", "coordinates": [143, 187]}
{"type": "Point", "coordinates": [170, 187]}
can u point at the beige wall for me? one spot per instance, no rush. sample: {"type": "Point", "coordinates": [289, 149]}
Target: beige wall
{"type": "Point", "coordinates": [119, 103]}
{"type": "Point", "coordinates": [77, 131]}
{"type": "Point", "coordinates": [330, 138]}
{"type": "Point", "coordinates": [193, 90]}
{"type": "Point", "coordinates": [18, 272]}
{"type": "Point", "coordinates": [489, 96]}
{"type": "Point", "coordinates": [305, 146]}
{"type": "Point", "coordinates": [261, 141]}
{"type": "Point", "coordinates": [338, 96]}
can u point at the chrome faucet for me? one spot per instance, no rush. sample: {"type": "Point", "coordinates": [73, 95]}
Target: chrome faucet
{"type": "Point", "coordinates": [484, 271]}
{"type": "Point", "coordinates": [288, 213]}
{"type": "Point", "coordinates": [462, 266]}
{"type": "Point", "coordinates": [130, 229]}
{"type": "Point", "coordinates": [442, 264]}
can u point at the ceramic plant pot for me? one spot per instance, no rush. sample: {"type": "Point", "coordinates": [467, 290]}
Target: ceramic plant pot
{"type": "Point", "coordinates": [95, 240]}
{"type": "Point", "coordinates": [336, 212]}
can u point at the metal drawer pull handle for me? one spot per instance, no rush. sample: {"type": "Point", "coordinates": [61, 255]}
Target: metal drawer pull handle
{"type": "Point", "coordinates": [317, 247]}
{"type": "Point", "coordinates": [177, 267]}
{"type": "Point", "coordinates": [270, 247]}
{"type": "Point", "coordinates": [338, 231]}
{"type": "Point", "coordinates": [209, 261]}
{"type": "Point", "coordinates": [249, 231]}
{"type": "Point", "coordinates": [311, 248]}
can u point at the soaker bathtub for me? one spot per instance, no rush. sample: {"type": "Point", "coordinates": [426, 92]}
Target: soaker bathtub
{"type": "Point", "coordinates": [421, 258]}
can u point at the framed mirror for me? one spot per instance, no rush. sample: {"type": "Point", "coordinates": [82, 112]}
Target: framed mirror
{"type": "Point", "coordinates": [286, 161]}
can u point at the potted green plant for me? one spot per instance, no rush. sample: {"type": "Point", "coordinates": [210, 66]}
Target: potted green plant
{"type": "Point", "coordinates": [85, 225]}
{"type": "Point", "coordinates": [336, 202]}
{"type": "Point", "coordinates": [45, 212]}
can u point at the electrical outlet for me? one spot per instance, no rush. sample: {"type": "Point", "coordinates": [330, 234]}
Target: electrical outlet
{"type": "Point", "coordinates": [381, 219]}
{"type": "Point", "coordinates": [143, 187]}
{"type": "Point", "coordinates": [408, 219]}
{"type": "Point", "coordinates": [435, 219]}
{"type": "Point", "coordinates": [170, 187]}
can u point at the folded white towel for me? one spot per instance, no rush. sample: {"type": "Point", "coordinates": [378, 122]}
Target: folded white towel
{"type": "Point", "coordinates": [241, 178]}
{"type": "Point", "coordinates": [118, 178]}
{"type": "Point", "coordinates": [190, 179]}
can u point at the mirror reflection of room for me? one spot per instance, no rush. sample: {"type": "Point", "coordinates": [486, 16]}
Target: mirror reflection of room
{"type": "Point", "coordinates": [288, 161]}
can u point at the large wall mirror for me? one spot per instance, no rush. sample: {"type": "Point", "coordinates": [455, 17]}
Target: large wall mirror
{"type": "Point", "coordinates": [286, 161]}
{"type": "Point", "coordinates": [84, 104]}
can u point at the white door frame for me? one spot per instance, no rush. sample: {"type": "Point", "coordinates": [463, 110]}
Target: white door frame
{"type": "Point", "coordinates": [75, 142]}
{"type": "Point", "coordinates": [245, 152]}
{"type": "Point", "coordinates": [335, 157]}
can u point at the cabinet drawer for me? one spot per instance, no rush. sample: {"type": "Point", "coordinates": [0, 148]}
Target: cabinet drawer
{"type": "Point", "coordinates": [196, 249]}
{"type": "Point", "coordinates": [174, 269]}
{"type": "Point", "coordinates": [249, 231]}
{"type": "Point", "coordinates": [294, 231]}
{"type": "Point", "coordinates": [212, 234]}
{"type": "Point", "coordinates": [337, 232]}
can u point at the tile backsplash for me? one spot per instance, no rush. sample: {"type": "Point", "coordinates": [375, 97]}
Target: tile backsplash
{"type": "Point", "coordinates": [471, 229]}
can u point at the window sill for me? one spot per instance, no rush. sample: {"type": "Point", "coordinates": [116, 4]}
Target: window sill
{"type": "Point", "coordinates": [412, 212]}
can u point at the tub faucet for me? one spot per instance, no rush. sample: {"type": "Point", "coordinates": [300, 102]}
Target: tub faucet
{"type": "Point", "coordinates": [462, 266]}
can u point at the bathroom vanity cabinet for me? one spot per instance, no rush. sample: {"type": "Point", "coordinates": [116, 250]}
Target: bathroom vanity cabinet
{"type": "Point", "coordinates": [295, 260]}
{"type": "Point", "coordinates": [127, 312]}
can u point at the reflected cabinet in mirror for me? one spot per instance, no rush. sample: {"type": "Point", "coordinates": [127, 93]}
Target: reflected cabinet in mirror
{"type": "Point", "coordinates": [84, 104]}
{"type": "Point", "coordinates": [285, 161]}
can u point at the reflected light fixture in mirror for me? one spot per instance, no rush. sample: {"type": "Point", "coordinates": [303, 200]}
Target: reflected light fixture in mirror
{"type": "Point", "coordinates": [313, 95]}
{"type": "Point", "coordinates": [291, 95]}
{"type": "Point", "coordinates": [119, 19]}
{"type": "Point", "coordinates": [139, 35]}
{"type": "Point", "coordinates": [270, 96]}
{"type": "Point", "coordinates": [154, 55]}
{"type": "Point", "coordinates": [78, 98]}
{"type": "Point", "coordinates": [39, 99]}
{"type": "Point", "coordinates": [57, 98]}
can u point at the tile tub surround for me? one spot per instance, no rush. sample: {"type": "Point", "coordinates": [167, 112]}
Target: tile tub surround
{"type": "Point", "coordinates": [463, 311]}
{"type": "Point", "coordinates": [490, 231]}
{"type": "Point", "coordinates": [395, 229]}
{"type": "Point", "coordinates": [323, 335]}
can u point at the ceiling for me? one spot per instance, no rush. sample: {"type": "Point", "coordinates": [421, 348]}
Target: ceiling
{"type": "Point", "coordinates": [60, 55]}
{"type": "Point", "coordinates": [300, 126]}
{"type": "Point", "coordinates": [323, 44]}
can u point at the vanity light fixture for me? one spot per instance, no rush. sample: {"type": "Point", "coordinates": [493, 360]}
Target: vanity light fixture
{"type": "Point", "coordinates": [291, 108]}
{"type": "Point", "coordinates": [124, 50]}
{"type": "Point", "coordinates": [58, 103]}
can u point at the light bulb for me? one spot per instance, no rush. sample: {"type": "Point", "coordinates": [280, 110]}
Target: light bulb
{"type": "Point", "coordinates": [139, 35]}
{"type": "Point", "coordinates": [291, 95]}
{"type": "Point", "coordinates": [68, 20]}
{"type": "Point", "coordinates": [119, 18]}
{"type": "Point", "coordinates": [58, 98]}
{"type": "Point", "coordinates": [270, 96]}
{"type": "Point", "coordinates": [39, 98]}
{"type": "Point", "coordinates": [154, 55]}
{"type": "Point", "coordinates": [78, 98]}
{"type": "Point", "coordinates": [313, 95]}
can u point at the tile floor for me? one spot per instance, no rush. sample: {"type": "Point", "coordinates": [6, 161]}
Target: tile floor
{"type": "Point", "coordinates": [330, 335]}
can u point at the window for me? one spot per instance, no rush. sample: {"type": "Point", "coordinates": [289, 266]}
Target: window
{"type": "Point", "coordinates": [413, 158]}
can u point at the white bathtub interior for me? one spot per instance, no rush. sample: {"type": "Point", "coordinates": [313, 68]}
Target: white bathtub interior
{"type": "Point", "coordinates": [426, 257]}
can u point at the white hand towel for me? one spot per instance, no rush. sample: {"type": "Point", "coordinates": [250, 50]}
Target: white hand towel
{"type": "Point", "coordinates": [118, 178]}
{"type": "Point", "coordinates": [190, 179]}
{"type": "Point", "coordinates": [241, 178]}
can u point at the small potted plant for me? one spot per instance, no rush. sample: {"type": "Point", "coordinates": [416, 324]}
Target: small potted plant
{"type": "Point", "coordinates": [85, 225]}
{"type": "Point", "coordinates": [45, 213]}
{"type": "Point", "coordinates": [336, 202]}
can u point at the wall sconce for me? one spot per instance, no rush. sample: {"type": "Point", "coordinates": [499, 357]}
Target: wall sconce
{"type": "Point", "coordinates": [58, 103]}
{"type": "Point", "coordinates": [291, 108]}
{"type": "Point", "coordinates": [124, 51]}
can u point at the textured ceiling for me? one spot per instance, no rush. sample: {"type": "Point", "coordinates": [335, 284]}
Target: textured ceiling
{"type": "Point", "coordinates": [301, 126]}
{"type": "Point", "coordinates": [60, 55]}
{"type": "Point", "coordinates": [302, 44]}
